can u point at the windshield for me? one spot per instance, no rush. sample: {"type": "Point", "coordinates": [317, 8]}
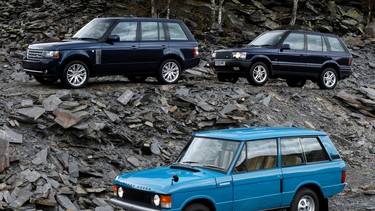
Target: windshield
{"type": "Point", "coordinates": [95, 29]}
{"type": "Point", "coordinates": [210, 153]}
{"type": "Point", "coordinates": [267, 39]}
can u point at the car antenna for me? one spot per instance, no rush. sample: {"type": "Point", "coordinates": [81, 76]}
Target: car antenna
{"type": "Point", "coordinates": [175, 178]}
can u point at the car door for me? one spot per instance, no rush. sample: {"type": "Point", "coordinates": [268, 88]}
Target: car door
{"type": "Point", "coordinates": [121, 57]}
{"type": "Point", "coordinates": [292, 61]}
{"type": "Point", "coordinates": [152, 45]}
{"type": "Point", "coordinates": [256, 177]}
{"type": "Point", "coordinates": [316, 54]}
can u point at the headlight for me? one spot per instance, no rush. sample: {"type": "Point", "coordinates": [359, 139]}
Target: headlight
{"type": "Point", "coordinates": [213, 55]}
{"type": "Point", "coordinates": [239, 55]}
{"type": "Point", "coordinates": [51, 54]}
{"type": "Point", "coordinates": [156, 200]}
{"type": "Point", "coordinates": [120, 192]}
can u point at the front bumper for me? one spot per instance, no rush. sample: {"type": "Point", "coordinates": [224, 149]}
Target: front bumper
{"type": "Point", "coordinates": [129, 206]}
{"type": "Point", "coordinates": [44, 67]}
{"type": "Point", "coordinates": [230, 66]}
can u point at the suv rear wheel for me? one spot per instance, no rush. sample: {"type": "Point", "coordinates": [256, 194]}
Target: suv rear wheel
{"type": "Point", "coordinates": [258, 74]}
{"type": "Point", "coordinates": [305, 199]}
{"type": "Point", "coordinates": [296, 82]}
{"type": "Point", "coordinates": [169, 72]}
{"type": "Point", "coordinates": [227, 78]}
{"type": "Point", "coordinates": [328, 79]}
{"type": "Point", "coordinates": [76, 74]}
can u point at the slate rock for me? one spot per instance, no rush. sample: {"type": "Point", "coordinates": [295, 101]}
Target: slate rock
{"type": "Point", "coordinates": [125, 97]}
{"type": "Point", "coordinates": [41, 157]}
{"type": "Point", "coordinates": [112, 116]}
{"type": "Point", "coordinates": [51, 103]}
{"type": "Point", "coordinates": [23, 197]}
{"type": "Point", "coordinates": [73, 169]}
{"type": "Point", "coordinates": [27, 103]}
{"type": "Point", "coordinates": [66, 119]}
{"type": "Point", "coordinates": [4, 155]}
{"type": "Point", "coordinates": [31, 176]}
{"type": "Point", "coordinates": [32, 113]}
{"type": "Point", "coordinates": [11, 136]}
{"type": "Point", "coordinates": [65, 202]}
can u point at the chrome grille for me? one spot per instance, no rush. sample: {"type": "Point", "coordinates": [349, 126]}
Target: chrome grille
{"type": "Point", "coordinates": [138, 196]}
{"type": "Point", "coordinates": [223, 55]}
{"type": "Point", "coordinates": [34, 54]}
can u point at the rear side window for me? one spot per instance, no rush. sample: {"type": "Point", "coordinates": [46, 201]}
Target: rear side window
{"type": "Point", "coordinates": [152, 31]}
{"type": "Point", "coordinates": [176, 32]}
{"type": "Point", "coordinates": [127, 31]}
{"type": "Point", "coordinates": [335, 45]}
{"type": "Point", "coordinates": [296, 41]}
{"type": "Point", "coordinates": [291, 152]}
{"type": "Point", "coordinates": [314, 43]}
{"type": "Point", "coordinates": [314, 151]}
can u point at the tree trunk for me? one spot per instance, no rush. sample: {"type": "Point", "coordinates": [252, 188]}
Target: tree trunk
{"type": "Point", "coordinates": [213, 11]}
{"type": "Point", "coordinates": [168, 8]}
{"type": "Point", "coordinates": [220, 12]}
{"type": "Point", "coordinates": [294, 13]}
{"type": "Point", "coordinates": [153, 9]}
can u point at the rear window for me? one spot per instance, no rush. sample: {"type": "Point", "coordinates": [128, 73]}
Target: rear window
{"type": "Point", "coordinates": [314, 151]}
{"type": "Point", "coordinates": [176, 32]}
{"type": "Point", "coordinates": [335, 45]}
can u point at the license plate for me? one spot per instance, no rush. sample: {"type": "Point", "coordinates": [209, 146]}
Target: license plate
{"type": "Point", "coordinates": [219, 63]}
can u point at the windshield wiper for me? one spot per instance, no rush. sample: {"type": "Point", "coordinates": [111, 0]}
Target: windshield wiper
{"type": "Point", "coordinates": [213, 167]}
{"type": "Point", "coordinates": [190, 162]}
{"type": "Point", "coordinates": [185, 167]}
{"type": "Point", "coordinates": [84, 38]}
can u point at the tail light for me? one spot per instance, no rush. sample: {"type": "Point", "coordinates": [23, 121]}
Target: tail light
{"type": "Point", "coordinates": [196, 52]}
{"type": "Point", "coordinates": [350, 61]}
{"type": "Point", "coordinates": [343, 176]}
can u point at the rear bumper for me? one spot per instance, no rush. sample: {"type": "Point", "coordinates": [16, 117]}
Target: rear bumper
{"type": "Point", "coordinates": [345, 72]}
{"type": "Point", "coordinates": [190, 63]}
{"type": "Point", "coordinates": [44, 67]}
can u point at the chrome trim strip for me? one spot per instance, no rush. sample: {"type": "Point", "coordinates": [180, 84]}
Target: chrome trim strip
{"type": "Point", "coordinates": [34, 71]}
{"type": "Point", "coordinates": [129, 206]}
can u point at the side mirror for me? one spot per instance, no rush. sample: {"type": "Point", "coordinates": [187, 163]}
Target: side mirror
{"type": "Point", "coordinates": [285, 47]}
{"type": "Point", "coordinates": [113, 38]}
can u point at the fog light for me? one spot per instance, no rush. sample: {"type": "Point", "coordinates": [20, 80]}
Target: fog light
{"type": "Point", "coordinates": [120, 192]}
{"type": "Point", "coordinates": [156, 200]}
{"type": "Point", "coordinates": [236, 68]}
{"type": "Point", "coordinates": [45, 71]}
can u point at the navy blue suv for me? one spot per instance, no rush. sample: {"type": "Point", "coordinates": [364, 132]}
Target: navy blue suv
{"type": "Point", "coordinates": [293, 55]}
{"type": "Point", "coordinates": [134, 47]}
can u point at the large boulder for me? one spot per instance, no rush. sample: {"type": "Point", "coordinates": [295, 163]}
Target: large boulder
{"type": "Point", "coordinates": [370, 29]}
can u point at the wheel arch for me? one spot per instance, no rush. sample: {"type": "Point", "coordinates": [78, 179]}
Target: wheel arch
{"type": "Point", "coordinates": [334, 66]}
{"type": "Point", "coordinates": [207, 202]}
{"type": "Point", "coordinates": [265, 60]}
{"type": "Point", "coordinates": [175, 57]}
{"type": "Point", "coordinates": [78, 57]}
{"type": "Point", "coordinates": [314, 187]}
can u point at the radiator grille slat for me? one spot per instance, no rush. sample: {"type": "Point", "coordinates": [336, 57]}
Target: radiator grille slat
{"type": "Point", "coordinates": [33, 54]}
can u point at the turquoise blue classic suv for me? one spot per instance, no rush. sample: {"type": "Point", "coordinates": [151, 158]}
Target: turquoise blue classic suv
{"type": "Point", "coordinates": [240, 169]}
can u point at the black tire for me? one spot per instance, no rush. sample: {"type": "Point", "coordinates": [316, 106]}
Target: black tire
{"type": "Point", "coordinates": [169, 72]}
{"type": "Point", "coordinates": [296, 82]}
{"type": "Point", "coordinates": [328, 79]}
{"type": "Point", "coordinates": [227, 78]}
{"type": "Point", "coordinates": [258, 74]}
{"type": "Point", "coordinates": [137, 79]}
{"type": "Point", "coordinates": [47, 81]}
{"type": "Point", "coordinates": [75, 74]}
{"type": "Point", "coordinates": [305, 199]}
{"type": "Point", "coordinates": [196, 207]}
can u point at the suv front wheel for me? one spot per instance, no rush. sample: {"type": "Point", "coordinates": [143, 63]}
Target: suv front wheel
{"type": "Point", "coordinates": [328, 79]}
{"type": "Point", "coordinates": [76, 74]}
{"type": "Point", "coordinates": [258, 74]}
{"type": "Point", "coordinates": [169, 72]}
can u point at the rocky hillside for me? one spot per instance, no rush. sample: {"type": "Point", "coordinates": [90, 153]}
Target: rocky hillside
{"type": "Point", "coordinates": [61, 149]}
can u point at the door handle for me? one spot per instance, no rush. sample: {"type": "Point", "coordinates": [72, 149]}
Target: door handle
{"type": "Point", "coordinates": [163, 47]}
{"type": "Point", "coordinates": [134, 47]}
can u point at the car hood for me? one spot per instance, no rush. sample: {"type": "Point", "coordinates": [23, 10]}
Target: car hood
{"type": "Point", "coordinates": [159, 180]}
{"type": "Point", "coordinates": [62, 45]}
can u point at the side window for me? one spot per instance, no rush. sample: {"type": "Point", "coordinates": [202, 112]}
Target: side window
{"type": "Point", "coordinates": [176, 32]}
{"type": "Point", "coordinates": [314, 151]}
{"type": "Point", "coordinates": [127, 31]}
{"type": "Point", "coordinates": [296, 41]}
{"type": "Point", "coordinates": [152, 31]}
{"type": "Point", "coordinates": [314, 43]}
{"type": "Point", "coordinates": [258, 155]}
{"type": "Point", "coordinates": [291, 152]}
{"type": "Point", "coordinates": [335, 45]}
